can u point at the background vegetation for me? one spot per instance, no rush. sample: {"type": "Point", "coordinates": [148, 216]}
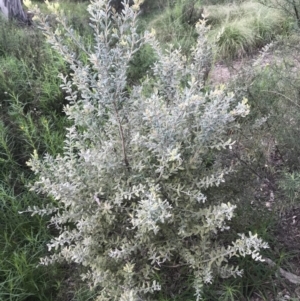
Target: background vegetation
{"type": "Point", "coordinates": [266, 185]}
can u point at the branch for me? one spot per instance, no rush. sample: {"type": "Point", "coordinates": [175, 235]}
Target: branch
{"type": "Point", "coordinates": [253, 171]}
{"type": "Point", "coordinates": [121, 133]}
{"type": "Point", "coordinates": [287, 275]}
{"type": "Point", "coordinates": [274, 92]}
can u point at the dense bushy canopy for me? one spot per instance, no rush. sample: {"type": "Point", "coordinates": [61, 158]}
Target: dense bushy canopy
{"type": "Point", "coordinates": [130, 184]}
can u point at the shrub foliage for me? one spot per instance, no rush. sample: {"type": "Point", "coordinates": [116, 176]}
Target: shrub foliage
{"type": "Point", "coordinates": [130, 184]}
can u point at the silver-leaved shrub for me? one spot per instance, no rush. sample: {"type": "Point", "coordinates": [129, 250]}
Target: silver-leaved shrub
{"type": "Point", "coordinates": [130, 184]}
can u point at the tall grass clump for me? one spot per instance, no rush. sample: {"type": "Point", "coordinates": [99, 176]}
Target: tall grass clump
{"type": "Point", "coordinates": [234, 41]}
{"type": "Point", "coordinates": [130, 186]}
{"type": "Point", "coordinates": [220, 14]}
{"type": "Point", "coordinates": [242, 29]}
{"type": "Point", "coordinates": [267, 24]}
{"type": "Point", "coordinates": [289, 8]}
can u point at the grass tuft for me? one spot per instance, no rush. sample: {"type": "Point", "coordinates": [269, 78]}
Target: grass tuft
{"type": "Point", "coordinates": [234, 41]}
{"type": "Point", "coordinates": [240, 29]}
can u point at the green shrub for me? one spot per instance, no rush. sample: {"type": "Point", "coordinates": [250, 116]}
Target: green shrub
{"type": "Point", "coordinates": [130, 185]}
{"type": "Point", "coordinates": [290, 184]}
{"type": "Point", "coordinates": [31, 118]}
{"type": "Point", "coordinates": [140, 64]}
{"type": "Point", "coordinates": [21, 238]}
{"type": "Point", "coordinates": [21, 246]}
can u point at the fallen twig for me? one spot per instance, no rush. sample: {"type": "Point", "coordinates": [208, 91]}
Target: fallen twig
{"type": "Point", "coordinates": [287, 275]}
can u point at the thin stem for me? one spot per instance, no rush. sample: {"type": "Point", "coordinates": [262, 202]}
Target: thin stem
{"type": "Point", "coordinates": [175, 266]}
{"type": "Point", "coordinates": [277, 93]}
{"type": "Point", "coordinates": [121, 133]}
{"type": "Point", "coordinates": [252, 170]}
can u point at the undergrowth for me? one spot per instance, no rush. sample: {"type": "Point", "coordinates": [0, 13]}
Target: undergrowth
{"type": "Point", "coordinates": [31, 120]}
